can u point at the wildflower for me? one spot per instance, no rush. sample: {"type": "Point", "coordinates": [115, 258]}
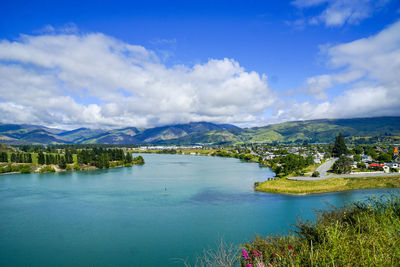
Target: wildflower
{"type": "Point", "coordinates": [249, 265]}
{"type": "Point", "coordinates": [274, 255]}
{"type": "Point", "coordinates": [294, 253]}
{"type": "Point", "coordinates": [245, 254]}
{"type": "Point", "coordinates": [290, 247]}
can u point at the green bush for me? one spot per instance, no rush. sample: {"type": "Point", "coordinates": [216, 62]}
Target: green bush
{"type": "Point", "coordinates": [77, 167]}
{"type": "Point", "coordinates": [138, 160]}
{"type": "Point", "coordinates": [315, 174]}
{"type": "Point", "coordinates": [361, 234]}
{"type": "Point", "coordinates": [47, 169]}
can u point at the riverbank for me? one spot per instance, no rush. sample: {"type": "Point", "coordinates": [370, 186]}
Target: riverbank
{"type": "Point", "coordinates": [286, 186]}
{"type": "Point", "coordinates": [360, 234]}
{"type": "Point", "coordinates": [16, 168]}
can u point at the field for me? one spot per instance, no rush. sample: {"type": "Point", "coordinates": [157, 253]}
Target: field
{"type": "Point", "coordinates": [286, 186]}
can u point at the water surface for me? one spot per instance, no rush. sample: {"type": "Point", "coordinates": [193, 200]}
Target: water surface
{"type": "Point", "coordinates": [122, 217]}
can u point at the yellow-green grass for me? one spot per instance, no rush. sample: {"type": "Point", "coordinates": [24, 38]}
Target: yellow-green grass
{"type": "Point", "coordinates": [286, 186]}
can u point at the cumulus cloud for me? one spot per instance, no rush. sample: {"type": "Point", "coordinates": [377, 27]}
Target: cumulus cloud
{"type": "Point", "coordinates": [370, 67]}
{"type": "Point", "coordinates": [72, 79]}
{"type": "Point", "coordinates": [339, 12]}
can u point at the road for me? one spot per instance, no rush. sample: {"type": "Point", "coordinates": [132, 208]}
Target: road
{"type": "Point", "coordinates": [324, 175]}
{"type": "Point", "coordinates": [324, 167]}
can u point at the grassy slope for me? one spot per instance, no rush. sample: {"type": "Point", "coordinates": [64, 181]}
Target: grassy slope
{"type": "Point", "coordinates": [327, 185]}
{"type": "Point", "coordinates": [361, 234]}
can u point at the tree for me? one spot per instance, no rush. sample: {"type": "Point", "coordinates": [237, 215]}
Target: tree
{"type": "Point", "coordinates": [3, 157]}
{"type": "Point", "coordinates": [342, 165]}
{"type": "Point", "coordinates": [138, 160]}
{"type": "Point", "coordinates": [339, 148]}
{"type": "Point", "coordinates": [62, 163]}
{"type": "Point", "coordinates": [385, 157]}
{"type": "Point", "coordinates": [128, 158]}
{"type": "Point", "coordinates": [68, 157]}
{"type": "Point", "coordinates": [361, 165]}
{"type": "Point", "coordinates": [41, 159]}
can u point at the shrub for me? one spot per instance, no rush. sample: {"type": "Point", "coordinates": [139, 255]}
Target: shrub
{"type": "Point", "coordinates": [361, 234]}
{"type": "Point", "coordinates": [77, 167]}
{"type": "Point", "coordinates": [47, 169]}
{"type": "Point", "coordinates": [315, 174]}
{"type": "Point", "coordinates": [138, 160]}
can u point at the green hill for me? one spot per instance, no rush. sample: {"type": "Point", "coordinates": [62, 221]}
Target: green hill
{"type": "Point", "coordinates": [313, 131]}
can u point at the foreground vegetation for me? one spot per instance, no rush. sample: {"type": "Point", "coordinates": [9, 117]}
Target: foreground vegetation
{"type": "Point", "coordinates": [361, 234]}
{"type": "Point", "coordinates": [287, 186]}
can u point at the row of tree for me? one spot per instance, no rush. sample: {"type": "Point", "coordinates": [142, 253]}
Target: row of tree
{"type": "Point", "coordinates": [21, 157]}
{"type": "Point", "coordinates": [3, 157]}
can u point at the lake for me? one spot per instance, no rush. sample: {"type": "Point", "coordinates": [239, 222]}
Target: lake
{"type": "Point", "coordinates": [122, 217]}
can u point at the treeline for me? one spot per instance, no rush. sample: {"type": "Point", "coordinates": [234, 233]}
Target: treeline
{"type": "Point", "coordinates": [56, 159]}
{"type": "Point", "coordinates": [16, 157]}
{"type": "Point", "coordinates": [229, 154]}
{"type": "Point", "coordinates": [101, 157]}
{"type": "Point", "coordinates": [72, 147]}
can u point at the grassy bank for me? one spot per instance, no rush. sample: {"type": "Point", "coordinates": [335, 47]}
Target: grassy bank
{"type": "Point", "coordinates": [327, 185]}
{"type": "Point", "coordinates": [361, 234]}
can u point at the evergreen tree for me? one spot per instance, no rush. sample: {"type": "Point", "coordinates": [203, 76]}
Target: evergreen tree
{"type": "Point", "coordinates": [41, 159]}
{"type": "Point", "coordinates": [62, 164]}
{"type": "Point", "coordinates": [128, 158]}
{"type": "Point", "coordinates": [13, 157]}
{"type": "Point", "coordinates": [339, 148]}
{"type": "Point", "coordinates": [68, 157]}
{"type": "Point", "coordinates": [3, 157]}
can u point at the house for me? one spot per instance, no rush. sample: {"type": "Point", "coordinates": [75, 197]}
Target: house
{"type": "Point", "coordinates": [366, 158]}
{"type": "Point", "coordinates": [354, 164]}
{"type": "Point", "coordinates": [386, 169]}
{"type": "Point", "coordinates": [394, 165]}
{"type": "Point", "coordinates": [377, 165]}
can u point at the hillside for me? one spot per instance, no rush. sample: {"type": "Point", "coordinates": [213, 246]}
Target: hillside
{"type": "Point", "coordinates": [314, 131]}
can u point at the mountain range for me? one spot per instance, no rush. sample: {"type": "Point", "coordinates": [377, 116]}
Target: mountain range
{"type": "Point", "coordinates": [315, 131]}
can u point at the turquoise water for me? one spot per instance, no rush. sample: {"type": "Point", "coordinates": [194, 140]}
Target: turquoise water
{"type": "Point", "coordinates": [122, 217]}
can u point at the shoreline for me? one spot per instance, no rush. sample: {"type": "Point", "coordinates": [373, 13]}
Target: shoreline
{"type": "Point", "coordinates": [35, 168]}
{"type": "Point", "coordinates": [329, 185]}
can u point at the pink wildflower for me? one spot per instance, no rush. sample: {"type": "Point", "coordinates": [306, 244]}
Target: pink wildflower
{"type": "Point", "coordinates": [290, 247]}
{"type": "Point", "coordinates": [245, 254]}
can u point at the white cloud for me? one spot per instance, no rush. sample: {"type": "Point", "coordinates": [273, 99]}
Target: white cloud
{"type": "Point", "coordinates": [339, 12]}
{"type": "Point", "coordinates": [370, 66]}
{"type": "Point", "coordinates": [72, 79]}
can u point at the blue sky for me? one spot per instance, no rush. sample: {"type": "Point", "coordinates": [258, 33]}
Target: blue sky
{"type": "Point", "coordinates": [273, 61]}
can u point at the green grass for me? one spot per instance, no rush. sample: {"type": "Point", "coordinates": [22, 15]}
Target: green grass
{"type": "Point", "coordinates": [361, 234]}
{"type": "Point", "coordinates": [327, 185]}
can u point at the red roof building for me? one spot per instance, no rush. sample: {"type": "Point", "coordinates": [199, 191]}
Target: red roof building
{"type": "Point", "coordinates": [377, 165]}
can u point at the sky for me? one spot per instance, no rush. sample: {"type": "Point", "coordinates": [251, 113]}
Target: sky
{"type": "Point", "coordinates": [113, 64]}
